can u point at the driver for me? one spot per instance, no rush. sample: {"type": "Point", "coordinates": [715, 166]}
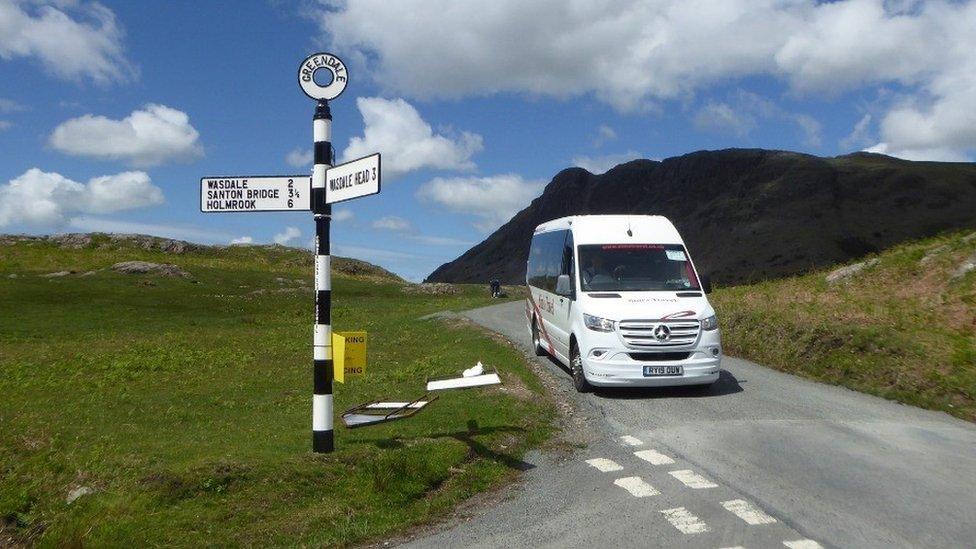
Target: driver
{"type": "Point", "coordinates": [596, 267]}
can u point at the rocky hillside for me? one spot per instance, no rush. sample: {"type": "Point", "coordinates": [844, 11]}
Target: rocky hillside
{"type": "Point", "coordinates": [748, 215]}
{"type": "Point", "coordinates": [263, 254]}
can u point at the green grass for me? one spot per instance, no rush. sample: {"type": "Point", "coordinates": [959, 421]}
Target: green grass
{"type": "Point", "coordinates": [903, 329]}
{"type": "Point", "coordinates": [185, 404]}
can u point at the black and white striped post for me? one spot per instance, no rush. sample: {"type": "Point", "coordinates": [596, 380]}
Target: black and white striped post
{"type": "Point", "coordinates": [353, 179]}
{"type": "Point", "coordinates": [322, 437]}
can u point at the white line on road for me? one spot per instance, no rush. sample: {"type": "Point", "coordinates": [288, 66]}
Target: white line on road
{"type": "Point", "coordinates": [736, 547]}
{"type": "Point", "coordinates": [803, 544]}
{"type": "Point", "coordinates": [684, 521]}
{"type": "Point", "coordinates": [748, 512]}
{"type": "Point", "coordinates": [692, 479]}
{"type": "Point", "coordinates": [605, 465]}
{"type": "Point", "coordinates": [654, 457]}
{"type": "Point", "coordinates": [636, 486]}
{"type": "Point", "coordinates": [628, 440]}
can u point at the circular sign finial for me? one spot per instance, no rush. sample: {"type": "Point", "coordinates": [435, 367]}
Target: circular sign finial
{"type": "Point", "coordinates": [325, 62]}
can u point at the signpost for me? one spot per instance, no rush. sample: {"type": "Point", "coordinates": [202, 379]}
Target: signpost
{"type": "Point", "coordinates": [346, 181]}
{"type": "Point", "coordinates": [280, 193]}
{"type": "Point", "coordinates": [354, 179]}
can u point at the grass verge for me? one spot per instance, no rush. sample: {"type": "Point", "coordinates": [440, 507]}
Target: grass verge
{"type": "Point", "coordinates": [903, 327]}
{"type": "Point", "coordinates": [184, 404]}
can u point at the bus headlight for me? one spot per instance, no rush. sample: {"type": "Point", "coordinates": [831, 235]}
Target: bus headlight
{"type": "Point", "coordinates": [598, 324]}
{"type": "Point", "coordinates": [709, 323]}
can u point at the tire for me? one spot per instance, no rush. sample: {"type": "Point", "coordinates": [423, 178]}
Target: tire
{"type": "Point", "coordinates": [536, 342]}
{"type": "Point", "coordinates": [576, 367]}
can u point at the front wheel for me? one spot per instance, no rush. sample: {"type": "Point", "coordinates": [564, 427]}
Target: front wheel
{"type": "Point", "coordinates": [576, 363]}
{"type": "Point", "coordinates": [536, 342]}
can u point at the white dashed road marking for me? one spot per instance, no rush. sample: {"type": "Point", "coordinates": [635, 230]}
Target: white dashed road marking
{"type": "Point", "coordinates": [684, 521]}
{"type": "Point", "coordinates": [692, 479]}
{"type": "Point", "coordinates": [654, 457]}
{"type": "Point", "coordinates": [631, 441]}
{"type": "Point", "coordinates": [605, 465]}
{"type": "Point", "coordinates": [747, 512]}
{"type": "Point", "coordinates": [636, 486]}
{"type": "Point", "coordinates": [803, 544]}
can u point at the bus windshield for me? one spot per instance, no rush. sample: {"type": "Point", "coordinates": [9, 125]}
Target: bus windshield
{"type": "Point", "coordinates": [635, 267]}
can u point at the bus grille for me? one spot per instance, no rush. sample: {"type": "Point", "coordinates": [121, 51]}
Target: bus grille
{"type": "Point", "coordinates": [658, 334]}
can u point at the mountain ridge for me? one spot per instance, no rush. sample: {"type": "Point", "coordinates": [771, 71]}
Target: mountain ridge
{"type": "Point", "coordinates": [748, 214]}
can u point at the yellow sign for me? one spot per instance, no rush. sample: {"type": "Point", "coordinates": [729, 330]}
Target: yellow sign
{"type": "Point", "coordinates": [355, 353]}
{"type": "Point", "coordinates": [348, 354]}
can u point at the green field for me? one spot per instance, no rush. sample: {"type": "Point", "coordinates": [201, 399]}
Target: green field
{"type": "Point", "coordinates": [185, 405]}
{"type": "Point", "coordinates": [903, 328]}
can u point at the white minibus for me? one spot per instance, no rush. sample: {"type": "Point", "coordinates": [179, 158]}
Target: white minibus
{"type": "Point", "coordinates": [617, 299]}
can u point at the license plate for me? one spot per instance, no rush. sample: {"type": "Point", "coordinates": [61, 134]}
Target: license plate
{"type": "Point", "coordinates": [650, 371]}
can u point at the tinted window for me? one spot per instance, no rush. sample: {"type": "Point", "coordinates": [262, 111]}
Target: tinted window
{"type": "Point", "coordinates": [546, 260]}
{"type": "Point", "coordinates": [640, 267]}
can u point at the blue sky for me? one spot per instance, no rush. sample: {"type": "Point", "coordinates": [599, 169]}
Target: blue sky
{"type": "Point", "coordinates": [110, 113]}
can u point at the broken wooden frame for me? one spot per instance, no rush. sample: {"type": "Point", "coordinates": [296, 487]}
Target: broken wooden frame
{"type": "Point", "coordinates": [377, 411]}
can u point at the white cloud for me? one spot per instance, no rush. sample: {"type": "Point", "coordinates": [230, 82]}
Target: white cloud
{"type": "Point", "coordinates": [491, 200]}
{"type": "Point", "coordinates": [742, 116]}
{"type": "Point", "coordinates": [602, 163]}
{"type": "Point", "coordinates": [395, 129]}
{"type": "Point", "coordinates": [145, 138]}
{"type": "Point", "coordinates": [634, 53]}
{"type": "Point", "coordinates": [392, 223]}
{"type": "Point", "coordinates": [438, 240]}
{"type": "Point", "coordinates": [286, 237]}
{"type": "Point", "coordinates": [242, 240]}
{"type": "Point", "coordinates": [933, 154]}
{"type": "Point", "coordinates": [9, 105]}
{"type": "Point", "coordinates": [299, 158]}
{"type": "Point", "coordinates": [102, 225]}
{"type": "Point", "coordinates": [722, 118]}
{"type": "Point", "coordinates": [342, 214]}
{"type": "Point", "coordinates": [810, 128]}
{"type": "Point", "coordinates": [860, 135]}
{"type": "Point", "coordinates": [73, 40]}
{"type": "Point", "coordinates": [4, 125]}
{"type": "Point", "coordinates": [604, 134]}
{"type": "Point", "coordinates": [49, 199]}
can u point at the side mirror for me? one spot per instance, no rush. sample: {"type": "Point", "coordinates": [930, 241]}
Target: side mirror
{"type": "Point", "coordinates": [563, 286]}
{"type": "Point", "coordinates": [706, 282]}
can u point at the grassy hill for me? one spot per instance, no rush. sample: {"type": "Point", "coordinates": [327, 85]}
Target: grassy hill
{"type": "Point", "coordinates": [900, 324]}
{"type": "Point", "coordinates": [183, 402]}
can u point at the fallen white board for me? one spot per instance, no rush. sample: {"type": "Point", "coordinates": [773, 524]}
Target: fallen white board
{"type": "Point", "coordinates": [397, 405]}
{"type": "Point", "coordinates": [463, 382]}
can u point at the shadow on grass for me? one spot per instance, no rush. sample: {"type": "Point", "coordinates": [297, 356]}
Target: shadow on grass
{"type": "Point", "coordinates": [475, 448]}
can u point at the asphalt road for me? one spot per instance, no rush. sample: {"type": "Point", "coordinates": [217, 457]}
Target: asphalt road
{"type": "Point", "coordinates": [760, 459]}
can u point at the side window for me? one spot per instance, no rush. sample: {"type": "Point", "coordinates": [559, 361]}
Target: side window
{"type": "Point", "coordinates": [569, 265]}
{"type": "Point", "coordinates": [535, 269]}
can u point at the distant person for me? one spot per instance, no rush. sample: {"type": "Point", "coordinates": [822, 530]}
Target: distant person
{"type": "Point", "coordinates": [496, 287]}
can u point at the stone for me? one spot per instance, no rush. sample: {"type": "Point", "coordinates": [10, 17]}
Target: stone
{"type": "Point", "coordinates": [847, 271]}
{"type": "Point", "coordinates": [967, 266]}
{"type": "Point", "coordinates": [77, 493]}
{"type": "Point", "coordinates": [145, 267]}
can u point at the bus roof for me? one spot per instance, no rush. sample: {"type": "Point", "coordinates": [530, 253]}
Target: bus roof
{"type": "Point", "coordinates": [612, 229]}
